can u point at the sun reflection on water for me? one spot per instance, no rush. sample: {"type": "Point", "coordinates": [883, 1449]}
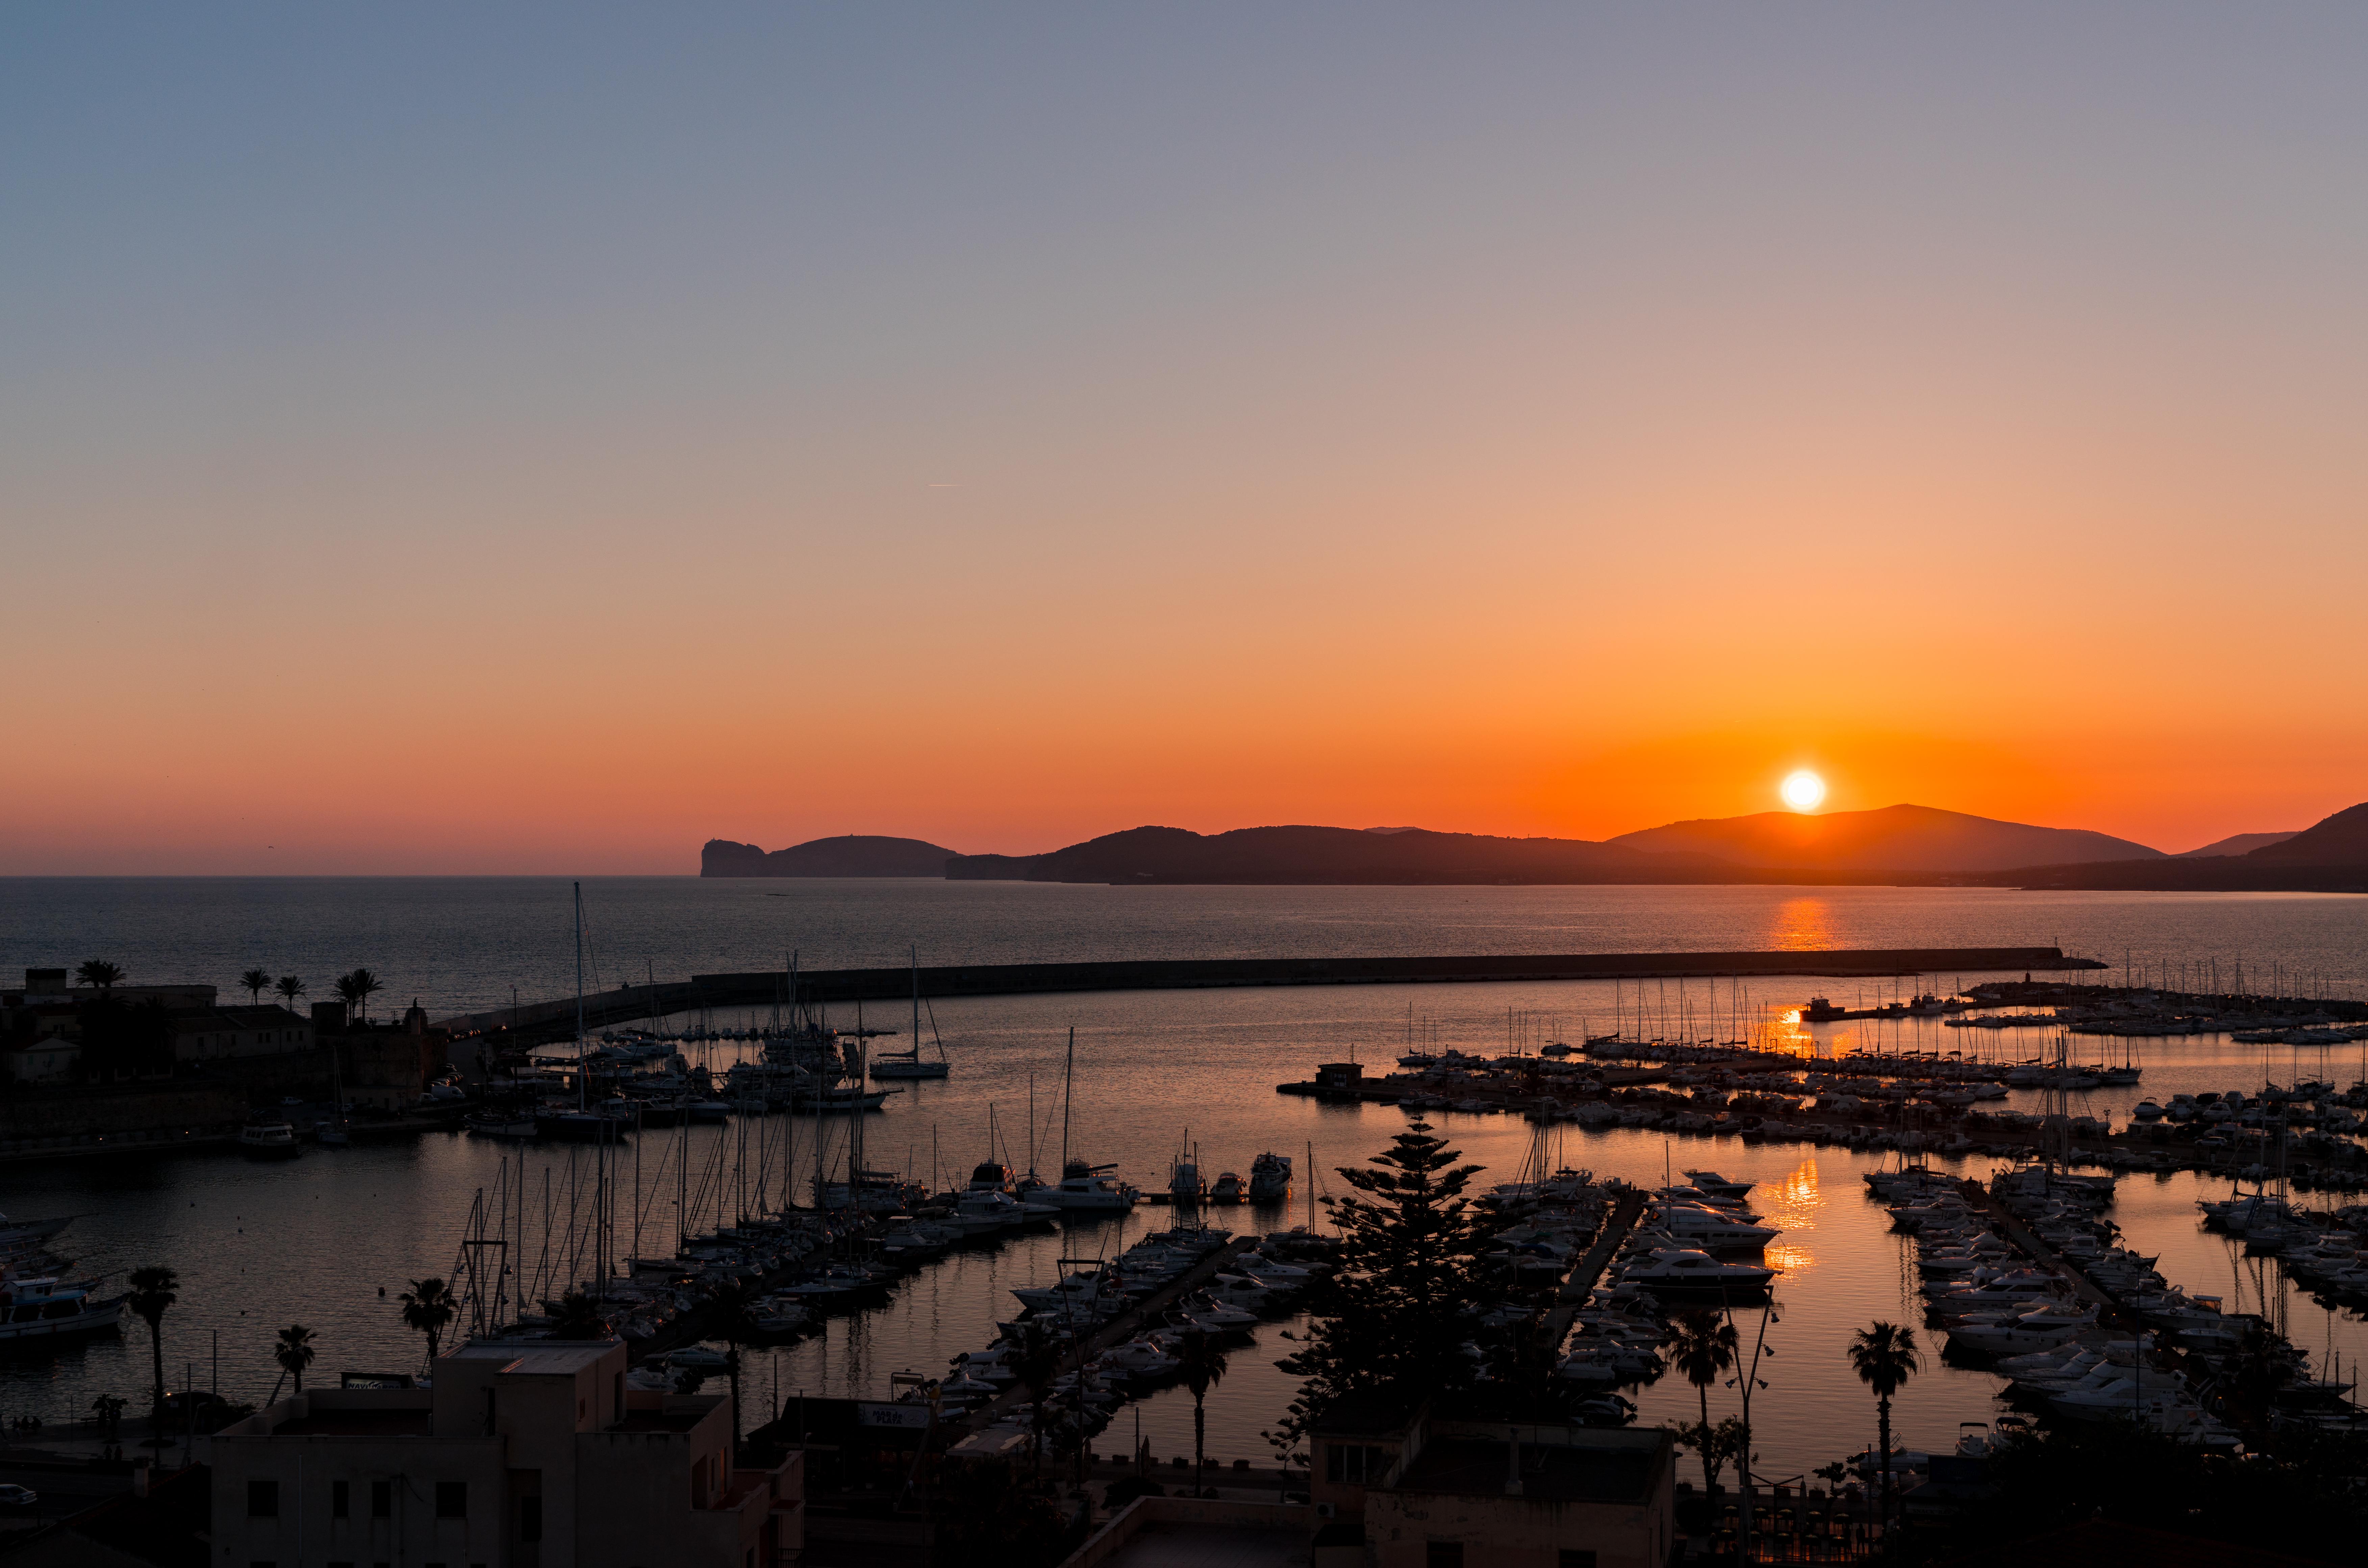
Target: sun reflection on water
{"type": "Point", "coordinates": [1791, 1204]}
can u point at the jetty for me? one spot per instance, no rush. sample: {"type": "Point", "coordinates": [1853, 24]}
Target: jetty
{"type": "Point", "coordinates": [1582, 1278]}
{"type": "Point", "coordinates": [555, 1019]}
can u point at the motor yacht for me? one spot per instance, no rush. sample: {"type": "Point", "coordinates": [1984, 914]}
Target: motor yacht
{"type": "Point", "coordinates": [50, 1309]}
{"type": "Point", "coordinates": [1707, 1227]}
{"type": "Point", "coordinates": [1689, 1269]}
{"type": "Point", "coordinates": [1269, 1178]}
{"type": "Point", "coordinates": [268, 1138]}
{"type": "Point", "coordinates": [1088, 1189]}
{"type": "Point", "coordinates": [1717, 1185]}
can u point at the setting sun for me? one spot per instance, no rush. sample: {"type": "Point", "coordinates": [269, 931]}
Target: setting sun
{"type": "Point", "coordinates": [1803, 790]}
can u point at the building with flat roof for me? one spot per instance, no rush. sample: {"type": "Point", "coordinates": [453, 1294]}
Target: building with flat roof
{"type": "Point", "coordinates": [1468, 1484]}
{"type": "Point", "coordinates": [523, 1454]}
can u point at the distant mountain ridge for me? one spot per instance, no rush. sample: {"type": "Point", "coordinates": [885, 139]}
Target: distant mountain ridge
{"type": "Point", "coordinates": [850, 855]}
{"type": "Point", "coordinates": [1904, 845]}
{"type": "Point", "coordinates": [1320, 855]}
{"type": "Point", "coordinates": [2339, 840]}
{"type": "Point", "coordinates": [1895, 838]}
{"type": "Point", "coordinates": [2329, 857]}
{"type": "Point", "coordinates": [2235, 844]}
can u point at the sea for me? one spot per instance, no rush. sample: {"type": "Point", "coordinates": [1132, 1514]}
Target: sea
{"type": "Point", "coordinates": [332, 1239]}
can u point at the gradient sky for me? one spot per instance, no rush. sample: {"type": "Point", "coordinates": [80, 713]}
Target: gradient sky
{"type": "Point", "coordinates": [466, 439]}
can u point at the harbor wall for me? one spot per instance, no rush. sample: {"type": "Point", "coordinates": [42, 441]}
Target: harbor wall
{"type": "Point", "coordinates": [765, 988]}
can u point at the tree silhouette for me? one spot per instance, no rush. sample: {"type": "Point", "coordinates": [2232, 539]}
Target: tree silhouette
{"type": "Point", "coordinates": [98, 973]}
{"type": "Point", "coordinates": [1392, 1319]}
{"type": "Point", "coordinates": [1701, 1345]}
{"type": "Point", "coordinates": [429, 1308]}
{"type": "Point", "coordinates": [290, 987]}
{"type": "Point", "coordinates": [254, 980]}
{"type": "Point", "coordinates": [1883, 1357]}
{"type": "Point", "coordinates": [1202, 1365]}
{"type": "Point", "coordinates": [356, 990]}
{"type": "Point", "coordinates": [154, 1288]}
{"type": "Point", "coordinates": [294, 1352]}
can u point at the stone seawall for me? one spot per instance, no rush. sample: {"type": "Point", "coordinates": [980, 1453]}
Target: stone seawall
{"type": "Point", "coordinates": [547, 1020]}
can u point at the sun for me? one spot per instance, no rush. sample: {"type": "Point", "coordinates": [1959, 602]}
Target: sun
{"type": "Point", "coordinates": [1803, 790]}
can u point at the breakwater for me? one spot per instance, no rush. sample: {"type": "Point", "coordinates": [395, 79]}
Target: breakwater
{"type": "Point", "coordinates": [556, 1019]}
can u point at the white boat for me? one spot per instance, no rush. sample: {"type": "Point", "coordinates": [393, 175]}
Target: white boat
{"type": "Point", "coordinates": [1717, 1185]}
{"type": "Point", "coordinates": [49, 1309]}
{"type": "Point", "coordinates": [1707, 1227]}
{"type": "Point", "coordinates": [271, 1139]}
{"type": "Point", "coordinates": [1226, 1189]}
{"type": "Point", "coordinates": [1269, 1178]}
{"type": "Point", "coordinates": [1687, 1268]}
{"type": "Point", "coordinates": [1088, 1190]}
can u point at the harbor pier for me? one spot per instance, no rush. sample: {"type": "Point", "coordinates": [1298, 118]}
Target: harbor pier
{"type": "Point", "coordinates": [548, 1020]}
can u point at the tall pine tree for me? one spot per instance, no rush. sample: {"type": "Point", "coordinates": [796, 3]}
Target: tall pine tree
{"type": "Point", "coordinates": [1394, 1317]}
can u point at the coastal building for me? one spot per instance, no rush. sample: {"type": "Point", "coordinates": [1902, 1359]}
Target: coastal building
{"type": "Point", "coordinates": [1463, 1484]}
{"type": "Point", "coordinates": [528, 1454]}
{"type": "Point", "coordinates": [385, 1066]}
{"type": "Point", "coordinates": [52, 1059]}
{"type": "Point", "coordinates": [212, 1034]}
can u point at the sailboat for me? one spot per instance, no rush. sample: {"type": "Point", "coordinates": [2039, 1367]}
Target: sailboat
{"type": "Point", "coordinates": [336, 1133]}
{"type": "Point", "coordinates": [584, 1124]}
{"type": "Point", "coordinates": [908, 1064]}
{"type": "Point", "coordinates": [1085, 1187]}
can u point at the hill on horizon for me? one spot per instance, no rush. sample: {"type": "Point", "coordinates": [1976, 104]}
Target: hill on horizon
{"type": "Point", "coordinates": [1893, 838]}
{"type": "Point", "coordinates": [1302, 854]}
{"type": "Point", "coordinates": [2235, 844]}
{"type": "Point", "coordinates": [2339, 840]}
{"type": "Point", "coordinates": [849, 855]}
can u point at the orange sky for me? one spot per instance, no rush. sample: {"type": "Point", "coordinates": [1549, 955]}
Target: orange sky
{"type": "Point", "coordinates": [1004, 436]}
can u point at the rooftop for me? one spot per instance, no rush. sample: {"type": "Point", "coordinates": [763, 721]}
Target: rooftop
{"type": "Point", "coordinates": [367, 1423]}
{"type": "Point", "coordinates": [544, 1359]}
{"type": "Point", "coordinates": [1185, 1532]}
{"type": "Point", "coordinates": [659, 1420]}
{"type": "Point", "coordinates": [1480, 1467]}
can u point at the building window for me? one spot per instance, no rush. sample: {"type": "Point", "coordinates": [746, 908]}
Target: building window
{"type": "Point", "coordinates": [529, 1518]}
{"type": "Point", "coordinates": [1351, 1464]}
{"type": "Point", "coordinates": [340, 1503]}
{"type": "Point", "coordinates": [1572, 1557]}
{"type": "Point", "coordinates": [452, 1499]}
{"type": "Point", "coordinates": [263, 1499]}
{"type": "Point", "coordinates": [1443, 1554]}
{"type": "Point", "coordinates": [382, 1499]}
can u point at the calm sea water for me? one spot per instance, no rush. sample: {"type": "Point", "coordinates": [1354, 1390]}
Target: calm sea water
{"type": "Point", "coordinates": [317, 1239]}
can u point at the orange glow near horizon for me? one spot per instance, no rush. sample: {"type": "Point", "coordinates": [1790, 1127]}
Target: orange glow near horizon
{"type": "Point", "coordinates": [1004, 432]}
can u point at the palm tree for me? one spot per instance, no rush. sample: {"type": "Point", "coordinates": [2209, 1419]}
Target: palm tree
{"type": "Point", "coordinates": [428, 1306]}
{"type": "Point", "coordinates": [1203, 1364]}
{"type": "Point", "coordinates": [1884, 1356]}
{"type": "Point", "coordinates": [294, 1352]}
{"type": "Point", "coordinates": [254, 980]}
{"type": "Point", "coordinates": [290, 987]}
{"type": "Point", "coordinates": [1701, 1345]}
{"type": "Point", "coordinates": [106, 976]}
{"type": "Point", "coordinates": [154, 1288]}
{"type": "Point", "coordinates": [355, 989]}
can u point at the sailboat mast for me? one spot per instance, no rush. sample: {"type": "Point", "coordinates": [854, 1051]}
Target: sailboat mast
{"type": "Point", "coordinates": [582, 1098]}
{"type": "Point", "coordinates": [1069, 1093]}
{"type": "Point", "coordinates": [916, 1004]}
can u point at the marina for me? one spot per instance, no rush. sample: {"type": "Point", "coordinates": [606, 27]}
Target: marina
{"type": "Point", "coordinates": [876, 1254]}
